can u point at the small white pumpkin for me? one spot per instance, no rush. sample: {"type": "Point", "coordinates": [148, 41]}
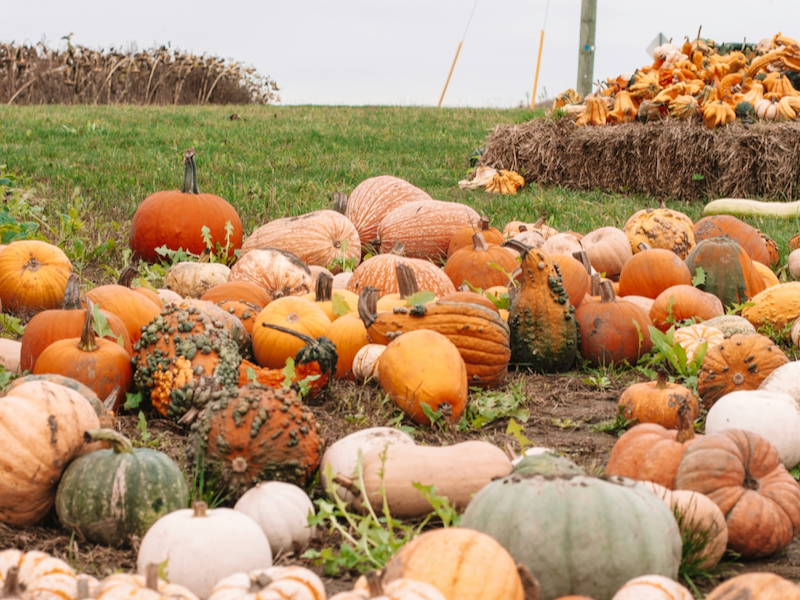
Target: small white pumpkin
{"type": "Point", "coordinates": [365, 362]}
{"type": "Point", "coordinates": [10, 352]}
{"type": "Point", "coordinates": [371, 588]}
{"type": "Point", "coordinates": [340, 280]}
{"type": "Point", "coordinates": [168, 296]}
{"type": "Point", "coordinates": [129, 586]}
{"type": "Point", "coordinates": [201, 546]}
{"type": "Point", "coordinates": [784, 379]}
{"type": "Point", "coordinates": [774, 416]}
{"type": "Point", "coordinates": [282, 510]}
{"type": "Point", "coordinates": [795, 334]}
{"type": "Point", "coordinates": [653, 587]}
{"type": "Point", "coordinates": [276, 583]}
{"type": "Point", "coordinates": [342, 455]}
{"type": "Point", "coordinates": [193, 279]}
{"type": "Point", "coordinates": [793, 263]}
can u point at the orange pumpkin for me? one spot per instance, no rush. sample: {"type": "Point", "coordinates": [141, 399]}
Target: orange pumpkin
{"type": "Point", "coordinates": [349, 335]}
{"type": "Point", "coordinates": [680, 302]}
{"type": "Point", "coordinates": [279, 272]}
{"type": "Point", "coordinates": [463, 237]}
{"type": "Point", "coordinates": [33, 276]}
{"type": "Point", "coordinates": [747, 236]}
{"type": "Point", "coordinates": [134, 310]}
{"type": "Point", "coordinates": [764, 586]}
{"type": "Point", "coordinates": [380, 272]}
{"type": "Point", "coordinates": [481, 265]}
{"type": "Point", "coordinates": [650, 272]}
{"type": "Point", "coordinates": [658, 402]}
{"type": "Point", "coordinates": [574, 275]}
{"type": "Point", "coordinates": [246, 291]}
{"type": "Point", "coordinates": [271, 348]}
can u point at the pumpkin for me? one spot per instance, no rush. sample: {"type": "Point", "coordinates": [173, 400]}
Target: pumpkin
{"type": "Point", "coordinates": [374, 198]}
{"type": "Point", "coordinates": [281, 509]}
{"type": "Point", "coordinates": [101, 364]}
{"type": "Point", "coordinates": [246, 313]}
{"type": "Point", "coordinates": [657, 402]}
{"type": "Point", "coordinates": [461, 563]}
{"type": "Point", "coordinates": [764, 586]}
{"type": "Point", "coordinates": [36, 575]}
{"type": "Point", "coordinates": [683, 107]}
{"type": "Point", "coordinates": [747, 236]}
{"type": "Point", "coordinates": [245, 291]}
{"type": "Point", "coordinates": [134, 310]}
{"type": "Point", "coordinates": [41, 425]}
{"type": "Point", "coordinates": [612, 331]}
{"type": "Point", "coordinates": [469, 297]}
{"type": "Point", "coordinates": [793, 264]}
{"type": "Point", "coordinates": [692, 337]}
{"type": "Point", "coordinates": [602, 532]}
{"type": "Point", "coordinates": [480, 334]}
{"type": "Point", "coordinates": [108, 496]}
{"type": "Point", "coordinates": [775, 416]}
{"type": "Point", "coordinates": [149, 586]}
{"type": "Point", "coordinates": [423, 367]}
{"type": "Point", "coordinates": [544, 333]}
{"type": "Point", "coordinates": [625, 108]}
{"type": "Point", "coordinates": [772, 250]}
{"type": "Point", "coordinates": [177, 219]}
{"type": "Point", "coordinates": [271, 347]}
{"type": "Point", "coordinates": [334, 304]}
{"type": "Point", "coordinates": [323, 237]}
{"type": "Point", "coordinates": [660, 228]}
{"type": "Point", "coordinates": [767, 109]}
{"type": "Point", "coordinates": [288, 583]}
{"type": "Point", "coordinates": [370, 587]}
{"type": "Point", "coordinates": [257, 433]}
{"type": "Point", "coordinates": [193, 279]}
{"type": "Point", "coordinates": [785, 379]}
{"type": "Point", "coordinates": [482, 265]}
{"type": "Point", "coordinates": [574, 276]}
{"type": "Point", "coordinates": [202, 546]}
{"type": "Point", "coordinates": [608, 249]}
{"type": "Point", "coordinates": [544, 461]}
{"type": "Point", "coordinates": [652, 587]}
{"type": "Point", "coordinates": [11, 355]}
{"type": "Point", "coordinates": [365, 362]}
{"type": "Point", "coordinates": [380, 272]}
{"type": "Point", "coordinates": [730, 325]}
{"type": "Point", "coordinates": [729, 272]}
{"type": "Point", "coordinates": [681, 302]}
{"type": "Point", "coordinates": [777, 306]}
{"type": "Point", "coordinates": [126, 278]}
{"type": "Point", "coordinates": [741, 362]}
{"type": "Point", "coordinates": [349, 335]}
{"type": "Point", "coordinates": [33, 276]}
{"type": "Point", "coordinates": [650, 452]}
{"type": "Point", "coordinates": [279, 272]}
{"type": "Point", "coordinates": [463, 238]}
{"type": "Point", "coordinates": [650, 272]}
{"type": "Point", "coordinates": [742, 472]}
{"type": "Point", "coordinates": [563, 243]}
{"type": "Point", "coordinates": [50, 325]}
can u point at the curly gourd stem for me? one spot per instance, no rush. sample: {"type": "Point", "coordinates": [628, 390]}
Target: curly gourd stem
{"type": "Point", "coordinates": [306, 338]}
{"type": "Point", "coordinates": [523, 249]}
{"type": "Point", "coordinates": [368, 305]}
{"type": "Point", "coordinates": [127, 275]}
{"type": "Point", "coordinates": [119, 443]}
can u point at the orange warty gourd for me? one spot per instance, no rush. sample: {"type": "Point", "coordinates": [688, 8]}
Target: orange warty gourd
{"type": "Point", "coordinates": [176, 218]}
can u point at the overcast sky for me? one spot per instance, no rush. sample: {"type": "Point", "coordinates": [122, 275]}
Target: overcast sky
{"type": "Point", "coordinates": [363, 52]}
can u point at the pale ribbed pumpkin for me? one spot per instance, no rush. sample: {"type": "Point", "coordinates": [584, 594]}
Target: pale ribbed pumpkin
{"type": "Point", "coordinates": [279, 272]}
{"type": "Point", "coordinates": [380, 272]}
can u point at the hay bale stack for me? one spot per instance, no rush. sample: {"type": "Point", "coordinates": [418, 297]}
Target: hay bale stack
{"type": "Point", "coordinates": [670, 159]}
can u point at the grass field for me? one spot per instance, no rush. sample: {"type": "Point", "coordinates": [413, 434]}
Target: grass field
{"type": "Point", "coordinates": [96, 163]}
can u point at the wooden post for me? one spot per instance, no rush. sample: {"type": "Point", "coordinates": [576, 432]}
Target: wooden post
{"type": "Point", "coordinates": [453, 66]}
{"type": "Point", "coordinates": [538, 63]}
{"type": "Point", "coordinates": [586, 51]}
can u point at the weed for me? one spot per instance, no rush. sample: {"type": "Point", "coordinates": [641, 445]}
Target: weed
{"type": "Point", "coordinates": [616, 427]}
{"type": "Point", "coordinates": [667, 355]}
{"type": "Point", "coordinates": [795, 472]}
{"type": "Point", "coordinates": [487, 406]}
{"type": "Point", "coordinates": [205, 482]}
{"type": "Point", "coordinates": [601, 382]}
{"type": "Point", "coordinates": [567, 423]}
{"type": "Point", "coordinates": [146, 439]}
{"type": "Point", "coordinates": [342, 262]}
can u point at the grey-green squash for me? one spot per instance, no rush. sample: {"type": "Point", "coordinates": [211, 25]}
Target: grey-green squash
{"type": "Point", "coordinates": [731, 325]}
{"type": "Point", "coordinates": [107, 496]}
{"type": "Point", "coordinates": [547, 463]}
{"type": "Point", "coordinates": [578, 534]}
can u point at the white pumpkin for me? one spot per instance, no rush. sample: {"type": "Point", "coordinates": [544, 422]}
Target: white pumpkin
{"type": "Point", "coordinates": [282, 510]}
{"type": "Point", "coordinates": [342, 455]}
{"type": "Point", "coordinates": [340, 280]}
{"type": "Point", "coordinates": [784, 379]}
{"type": "Point", "coordinates": [653, 587]}
{"type": "Point", "coordinates": [10, 352]}
{"type": "Point", "coordinates": [193, 279]}
{"type": "Point", "coordinates": [793, 263]}
{"type": "Point", "coordinates": [129, 586]}
{"type": "Point", "coordinates": [200, 546]}
{"type": "Point", "coordinates": [795, 334]}
{"type": "Point", "coordinates": [535, 451]}
{"type": "Point", "coordinates": [276, 583]}
{"type": "Point", "coordinates": [168, 296]}
{"type": "Point", "coordinates": [774, 416]}
{"type": "Point", "coordinates": [562, 243]}
{"type": "Point", "coordinates": [365, 362]}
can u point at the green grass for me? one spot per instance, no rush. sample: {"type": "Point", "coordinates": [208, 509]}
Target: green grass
{"type": "Point", "coordinates": [273, 161]}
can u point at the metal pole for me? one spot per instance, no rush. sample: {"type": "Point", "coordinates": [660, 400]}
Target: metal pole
{"type": "Point", "coordinates": [538, 62]}
{"type": "Point", "coordinates": [586, 51]}
{"type": "Point", "coordinates": [453, 66]}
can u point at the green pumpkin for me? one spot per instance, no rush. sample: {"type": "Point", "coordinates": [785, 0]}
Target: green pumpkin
{"type": "Point", "coordinates": [578, 534]}
{"type": "Point", "coordinates": [547, 463]}
{"type": "Point", "coordinates": [107, 496]}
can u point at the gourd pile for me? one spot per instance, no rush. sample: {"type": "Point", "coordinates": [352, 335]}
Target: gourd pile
{"type": "Point", "coordinates": [229, 352]}
{"type": "Point", "coordinates": [718, 84]}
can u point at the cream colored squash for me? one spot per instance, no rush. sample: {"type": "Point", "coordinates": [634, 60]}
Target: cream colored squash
{"type": "Point", "coordinates": [282, 510]}
{"type": "Point", "coordinates": [10, 351]}
{"type": "Point", "coordinates": [608, 249]}
{"type": "Point", "coordinates": [36, 575]}
{"type": "Point", "coordinates": [275, 583]}
{"type": "Point", "coordinates": [168, 296]}
{"type": "Point", "coordinates": [398, 589]}
{"type": "Point", "coordinates": [340, 280]}
{"type": "Point", "coordinates": [784, 379]}
{"type": "Point", "coordinates": [562, 243]}
{"type": "Point", "coordinates": [129, 586]}
{"type": "Point", "coordinates": [793, 263]}
{"type": "Point", "coordinates": [365, 363]}
{"type": "Point", "coordinates": [653, 587]}
{"type": "Point", "coordinates": [193, 279]}
{"type": "Point", "coordinates": [201, 546]}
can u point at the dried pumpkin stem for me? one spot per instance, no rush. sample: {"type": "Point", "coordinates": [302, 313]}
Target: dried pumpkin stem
{"type": "Point", "coordinates": [199, 508]}
{"type": "Point", "coordinates": [685, 424]}
{"type": "Point", "coordinates": [584, 259]}
{"type": "Point", "coordinates": [88, 342]}
{"type": "Point", "coordinates": [406, 280]}
{"type": "Point", "coordinates": [606, 292]}
{"type": "Point", "coordinates": [151, 577]}
{"type": "Point", "coordinates": [348, 484]}
{"type": "Point", "coordinates": [324, 287]}
{"type": "Point", "coordinates": [127, 276]}
{"type": "Point", "coordinates": [72, 294]}
{"type": "Point", "coordinates": [119, 443]}
{"type": "Point", "coordinates": [374, 585]}
{"type": "Point", "coordinates": [523, 249]}
{"type": "Point", "coordinates": [368, 305]}
{"type": "Point", "coordinates": [189, 173]}
{"type": "Point", "coordinates": [83, 589]}
{"type": "Point", "coordinates": [11, 585]}
{"type": "Point", "coordinates": [479, 242]}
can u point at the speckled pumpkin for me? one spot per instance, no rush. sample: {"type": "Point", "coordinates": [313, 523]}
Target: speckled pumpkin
{"type": "Point", "coordinates": [258, 433]}
{"type": "Point", "coordinates": [776, 305]}
{"type": "Point", "coordinates": [660, 228]}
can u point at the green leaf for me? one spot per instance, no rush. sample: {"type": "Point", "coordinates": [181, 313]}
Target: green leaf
{"type": "Point", "coordinates": [339, 304]}
{"type": "Point", "coordinates": [420, 298]}
{"type": "Point", "coordinates": [699, 277]}
{"type": "Point", "coordinates": [132, 401]}
{"type": "Point", "coordinates": [516, 431]}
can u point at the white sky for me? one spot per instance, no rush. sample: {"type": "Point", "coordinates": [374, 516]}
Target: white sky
{"type": "Point", "coordinates": [369, 52]}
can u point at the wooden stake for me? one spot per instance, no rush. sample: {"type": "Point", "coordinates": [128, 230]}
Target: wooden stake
{"type": "Point", "coordinates": [538, 62]}
{"type": "Point", "coordinates": [453, 66]}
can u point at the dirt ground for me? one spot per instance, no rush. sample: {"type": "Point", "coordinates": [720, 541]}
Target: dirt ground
{"type": "Point", "coordinates": [565, 412]}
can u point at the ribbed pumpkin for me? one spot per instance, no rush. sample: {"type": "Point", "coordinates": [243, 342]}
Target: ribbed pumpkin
{"type": "Point", "coordinates": [729, 272]}
{"type": "Point", "coordinates": [108, 496]}
{"type": "Point", "coordinates": [481, 265]}
{"type": "Point", "coordinates": [134, 310]}
{"type": "Point", "coordinates": [290, 583]}
{"type": "Point", "coordinates": [650, 272]}
{"type": "Point", "coordinates": [258, 433]}
{"type": "Point", "coordinates": [380, 272]}
{"type": "Point", "coordinates": [600, 532]}
{"type": "Point", "coordinates": [741, 362]}
{"type": "Point", "coordinates": [278, 272]}
{"type": "Point", "coordinates": [424, 227]}
{"type": "Point", "coordinates": [730, 325]}
{"type": "Point", "coordinates": [36, 575]}
{"type": "Point", "coordinates": [463, 238]}
{"type": "Point", "coordinates": [742, 472]}
{"type": "Point", "coordinates": [176, 218]}
{"type": "Point", "coordinates": [463, 564]}
{"type": "Point", "coordinates": [764, 586]}
{"type": "Point", "coordinates": [246, 291]}
{"type": "Point", "coordinates": [369, 587]}
{"type": "Point", "coordinates": [660, 228]}
{"type": "Point", "coordinates": [271, 347]}
{"type": "Point", "coordinates": [608, 249]}
{"type": "Point", "coordinates": [544, 333]}
{"type": "Point", "coordinates": [322, 237]}
{"type": "Point", "coordinates": [611, 331]}
{"type": "Point", "coordinates": [574, 275]}
{"type": "Point", "coordinates": [658, 402]}
{"type": "Point", "coordinates": [33, 276]}
{"type": "Point", "coordinates": [375, 197]}
{"type": "Point", "coordinates": [747, 236]}
{"type": "Point", "coordinates": [776, 306]}
{"type": "Point", "coordinates": [681, 302]}
{"type": "Point", "coordinates": [650, 452]}
{"type": "Point", "coordinates": [692, 337]}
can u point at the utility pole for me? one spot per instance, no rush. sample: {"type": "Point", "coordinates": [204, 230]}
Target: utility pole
{"type": "Point", "coordinates": [586, 52]}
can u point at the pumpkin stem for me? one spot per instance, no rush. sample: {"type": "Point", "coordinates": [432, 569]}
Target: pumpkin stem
{"type": "Point", "coordinates": [398, 249]}
{"type": "Point", "coordinates": [259, 582]}
{"type": "Point", "coordinates": [606, 292]}
{"type": "Point", "coordinates": [72, 295]}
{"type": "Point", "coordinates": [11, 585]}
{"type": "Point", "coordinates": [340, 202]}
{"type": "Point", "coordinates": [151, 576]}
{"type": "Point", "coordinates": [306, 338]}
{"type": "Point", "coordinates": [661, 382]}
{"type": "Point", "coordinates": [324, 287]}
{"type": "Point", "coordinates": [594, 290]}
{"type": "Point", "coordinates": [127, 276]}
{"type": "Point", "coordinates": [109, 402]}
{"type": "Point", "coordinates": [83, 589]}
{"type": "Point", "coordinates": [374, 585]}
{"type": "Point", "coordinates": [479, 242]}
{"type": "Point", "coordinates": [642, 246]}
{"type": "Point", "coordinates": [189, 173]}
{"type": "Point", "coordinates": [88, 342]}
{"type": "Point", "coordinates": [512, 455]}
{"type": "Point", "coordinates": [483, 223]}
{"type": "Point", "coordinates": [199, 508]}
{"type": "Point", "coordinates": [530, 585]}
{"type": "Point", "coordinates": [119, 443]}
{"type": "Point", "coordinates": [685, 423]}
{"type": "Point", "coordinates": [406, 280]}
{"type": "Point", "coordinates": [368, 305]}
{"type": "Point", "coordinates": [523, 249]}
{"type": "Point", "coordinates": [348, 484]}
{"type": "Point", "coordinates": [584, 259]}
